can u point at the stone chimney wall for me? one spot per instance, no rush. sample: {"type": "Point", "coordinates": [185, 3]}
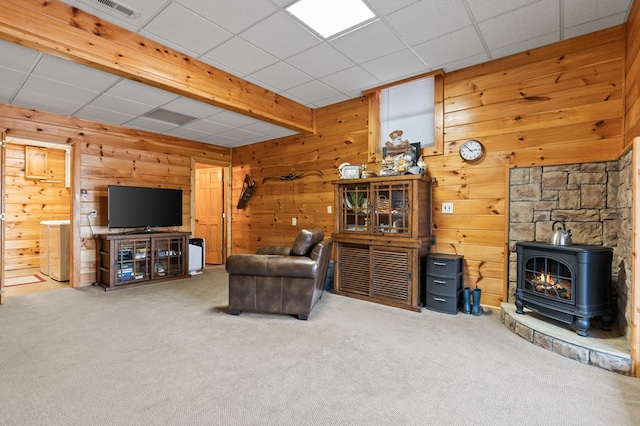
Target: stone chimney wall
{"type": "Point", "coordinates": [594, 200]}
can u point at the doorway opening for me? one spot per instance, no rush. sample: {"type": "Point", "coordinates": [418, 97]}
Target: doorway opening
{"type": "Point", "coordinates": [36, 190]}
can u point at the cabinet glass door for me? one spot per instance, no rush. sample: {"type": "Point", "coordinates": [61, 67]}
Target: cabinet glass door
{"type": "Point", "coordinates": [132, 262]}
{"type": "Point", "coordinates": [391, 208]}
{"type": "Point", "coordinates": [355, 212]}
{"type": "Point", "coordinates": [169, 257]}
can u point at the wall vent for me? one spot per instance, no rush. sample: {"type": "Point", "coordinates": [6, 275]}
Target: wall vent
{"type": "Point", "coordinates": [120, 8]}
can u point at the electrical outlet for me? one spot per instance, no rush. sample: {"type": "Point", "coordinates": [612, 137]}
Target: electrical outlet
{"type": "Point", "coordinates": [294, 221]}
{"type": "Point", "coordinates": [94, 213]}
{"type": "Point", "coordinates": [447, 208]}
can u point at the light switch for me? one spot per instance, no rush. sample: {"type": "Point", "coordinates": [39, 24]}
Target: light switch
{"type": "Point", "coordinates": [294, 221]}
{"type": "Point", "coordinates": [329, 209]}
{"type": "Point", "coordinates": [447, 208]}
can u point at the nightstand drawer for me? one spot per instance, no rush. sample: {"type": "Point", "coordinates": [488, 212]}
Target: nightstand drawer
{"type": "Point", "coordinates": [444, 265]}
{"type": "Point", "coordinates": [444, 286]}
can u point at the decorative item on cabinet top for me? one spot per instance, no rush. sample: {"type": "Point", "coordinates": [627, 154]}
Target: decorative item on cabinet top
{"type": "Point", "coordinates": [347, 171]}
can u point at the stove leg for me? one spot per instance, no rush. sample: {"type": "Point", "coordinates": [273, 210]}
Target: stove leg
{"type": "Point", "coordinates": [605, 322]}
{"type": "Point", "coordinates": [582, 325]}
{"type": "Point", "coordinates": [519, 306]}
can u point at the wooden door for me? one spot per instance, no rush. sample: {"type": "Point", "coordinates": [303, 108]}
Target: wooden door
{"type": "Point", "coordinates": [209, 205]}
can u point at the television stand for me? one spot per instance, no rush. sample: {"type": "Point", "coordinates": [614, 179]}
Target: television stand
{"type": "Point", "coordinates": [145, 231]}
{"type": "Point", "coordinates": [132, 259]}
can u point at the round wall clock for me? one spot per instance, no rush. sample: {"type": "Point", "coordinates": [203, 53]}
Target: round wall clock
{"type": "Point", "coordinates": [471, 150]}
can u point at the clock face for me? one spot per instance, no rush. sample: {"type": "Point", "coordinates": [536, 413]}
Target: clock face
{"type": "Point", "coordinates": [471, 150]}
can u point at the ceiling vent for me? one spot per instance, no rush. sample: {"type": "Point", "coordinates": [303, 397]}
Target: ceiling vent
{"type": "Point", "coordinates": [126, 10]}
{"type": "Point", "coordinates": [169, 116]}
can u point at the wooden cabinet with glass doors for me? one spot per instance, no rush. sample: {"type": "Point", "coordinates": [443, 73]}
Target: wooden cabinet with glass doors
{"type": "Point", "coordinates": [383, 234]}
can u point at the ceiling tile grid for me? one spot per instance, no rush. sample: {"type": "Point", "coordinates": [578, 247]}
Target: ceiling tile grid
{"type": "Point", "coordinates": [258, 40]}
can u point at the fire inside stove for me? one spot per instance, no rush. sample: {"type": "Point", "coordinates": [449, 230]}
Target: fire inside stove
{"type": "Point", "coordinates": [550, 285]}
{"type": "Point", "coordinates": [549, 277]}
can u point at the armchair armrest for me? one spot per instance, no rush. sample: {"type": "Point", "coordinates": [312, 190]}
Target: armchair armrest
{"type": "Point", "coordinates": [272, 266]}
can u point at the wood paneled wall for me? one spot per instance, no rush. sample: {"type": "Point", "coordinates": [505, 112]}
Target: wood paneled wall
{"type": "Point", "coordinates": [554, 105]}
{"type": "Point", "coordinates": [102, 155]}
{"type": "Point", "coordinates": [30, 201]}
{"type": "Point", "coordinates": [632, 80]}
{"type": "Point", "coordinates": [267, 219]}
{"type": "Point", "coordinates": [558, 104]}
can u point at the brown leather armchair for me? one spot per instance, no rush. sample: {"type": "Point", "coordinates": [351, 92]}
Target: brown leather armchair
{"type": "Point", "coordinates": [282, 280]}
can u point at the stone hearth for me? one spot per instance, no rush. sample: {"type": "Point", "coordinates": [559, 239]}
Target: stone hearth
{"type": "Point", "coordinates": [603, 349]}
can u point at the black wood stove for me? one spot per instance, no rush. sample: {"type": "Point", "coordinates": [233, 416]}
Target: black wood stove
{"type": "Point", "coordinates": [571, 284]}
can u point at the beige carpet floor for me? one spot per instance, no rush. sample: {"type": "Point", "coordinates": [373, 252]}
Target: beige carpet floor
{"type": "Point", "coordinates": [170, 354]}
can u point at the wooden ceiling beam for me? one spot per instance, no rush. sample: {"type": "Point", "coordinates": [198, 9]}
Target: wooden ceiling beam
{"type": "Point", "coordinates": [56, 28]}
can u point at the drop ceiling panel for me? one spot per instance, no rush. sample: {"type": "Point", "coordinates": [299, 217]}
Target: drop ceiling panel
{"type": "Point", "coordinates": [227, 14]}
{"type": "Point", "coordinates": [126, 106]}
{"type": "Point", "coordinates": [231, 119]}
{"type": "Point", "coordinates": [370, 42]}
{"type": "Point", "coordinates": [61, 70]}
{"type": "Point", "coordinates": [150, 125]}
{"type": "Point", "coordinates": [386, 7]}
{"type": "Point", "coordinates": [395, 66]}
{"type": "Point", "coordinates": [320, 60]}
{"type": "Point", "coordinates": [185, 133]}
{"type": "Point", "coordinates": [22, 58]}
{"type": "Point", "coordinates": [141, 93]}
{"type": "Point", "coordinates": [57, 89]}
{"type": "Point", "coordinates": [94, 113]}
{"type": "Point", "coordinates": [598, 24]}
{"type": "Point", "coordinates": [524, 45]}
{"type": "Point", "coordinates": [187, 30]}
{"type": "Point", "coordinates": [45, 102]}
{"type": "Point", "coordinates": [281, 76]}
{"type": "Point", "coordinates": [450, 47]}
{"type": "Point", "coordinates": [426, 20]}
{"type": "Point", "coordinates": [485, 9]}
{"type": "Point", "coordinates": [578, 12]}
{"type": "Point", "coordinates": [193, 108]}
{"type": "Point", "coordinates": [312, 91]}
{"type": "Point", "coordinates": [239, 56]}
{"type": "Point", "coordinates": [208, 127]}
{"type": "Point", "coordinates": [342, 81]}
{"type": "Point", "coordinates": [280, 35]}
{"type": "Point", "coordinates": [542, 18]}
{"type": "Point", "coordinates": [10, 79]}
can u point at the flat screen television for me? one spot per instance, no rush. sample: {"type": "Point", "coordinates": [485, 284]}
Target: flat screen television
{"type": "Point", "coordinates": [140, 207]}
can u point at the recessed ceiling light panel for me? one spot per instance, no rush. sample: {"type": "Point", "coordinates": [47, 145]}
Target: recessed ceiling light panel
{"type": "Point", "coordinates": [330, 17]}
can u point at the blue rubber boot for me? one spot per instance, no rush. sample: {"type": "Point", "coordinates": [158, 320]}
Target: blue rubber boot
{"type": "Point", "coordinates": [466, 300]}
{"type": "Point", "coordinates": [477, 309]}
